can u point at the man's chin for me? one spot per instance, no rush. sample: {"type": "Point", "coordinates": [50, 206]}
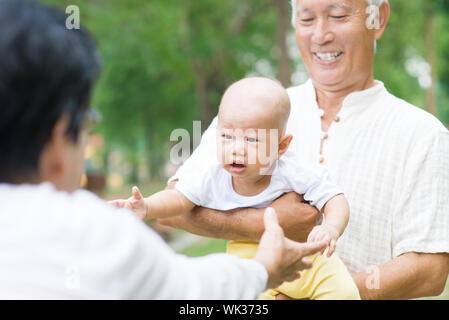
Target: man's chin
{"type": "Point", "coordinates": [328, 79]}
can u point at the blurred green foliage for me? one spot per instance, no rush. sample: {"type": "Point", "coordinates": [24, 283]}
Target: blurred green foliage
{"type": "Point", "coordinates": [167, 62]}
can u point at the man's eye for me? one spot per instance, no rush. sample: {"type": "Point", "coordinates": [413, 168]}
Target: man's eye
{"type": "Point", "coordinates": [307, 20]}
{"type": "Point", "coordinates": [338, 17]}
{"type": "Point", "coordinates": [251, 139]}
{"type": "Point", "coordinates": [227, 136]}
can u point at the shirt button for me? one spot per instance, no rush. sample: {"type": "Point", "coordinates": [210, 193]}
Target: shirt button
{"type": "Point", "coordinates": [337, 119]}
{"type": "Point", "coordinates": [321, 112]}
{"type": "Point", "coordinates": [321, 159]}
{"type": "Point", "coordinates": [324, 135]}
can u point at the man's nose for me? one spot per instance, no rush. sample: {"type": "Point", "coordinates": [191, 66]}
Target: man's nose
{"type": "Point", "coordinates": [322, 33]}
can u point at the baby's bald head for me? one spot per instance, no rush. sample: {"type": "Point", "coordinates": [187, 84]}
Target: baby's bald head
{"type": "Point", "coordinates": [255, 102]}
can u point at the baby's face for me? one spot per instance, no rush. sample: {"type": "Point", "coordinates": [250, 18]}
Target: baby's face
{"type": "Point", "coordinates": [247, 139]}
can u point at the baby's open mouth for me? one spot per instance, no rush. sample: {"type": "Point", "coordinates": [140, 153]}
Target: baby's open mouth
{"type": "Point", "coordinates": [237, 167]}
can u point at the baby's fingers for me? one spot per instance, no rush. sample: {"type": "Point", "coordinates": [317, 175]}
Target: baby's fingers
{"type": "Point", "coordinates": [311, 237]}
{"type": "Point", "coordinates": [118, 203]}
{"type": "Point", "coordinates": [326, 239]}
{"type": "Point", "coordinates": [322, 236]}
{"type": "Point", "coordinates": [136, 194]}
{"type": "Point", "coordinates": [315, 235]}
{"type": "Point", "coordinates": [332, 246]}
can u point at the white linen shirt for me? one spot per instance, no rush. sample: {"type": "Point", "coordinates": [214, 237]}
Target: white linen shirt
{"type": "Point", "coordinates": [210, 185]}
{"type": "Point", "coordinates": [390, 158]}
{"type": "Point", "coordinates": [54, 245]}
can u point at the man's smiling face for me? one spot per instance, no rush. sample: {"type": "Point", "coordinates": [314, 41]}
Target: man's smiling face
{"type": "Point", "coordinates": [335, 44]}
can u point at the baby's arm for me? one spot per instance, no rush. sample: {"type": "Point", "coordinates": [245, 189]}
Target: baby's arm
{"type": "Point", "coordinates": [164, 204]}
{"type": "Point", "coordinates": [336, 214]}
{"type": "Point", "coordinates": [167, 203]}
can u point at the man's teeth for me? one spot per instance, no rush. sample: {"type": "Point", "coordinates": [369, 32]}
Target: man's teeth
{"type": "Point", "coordinates": [328, 56]}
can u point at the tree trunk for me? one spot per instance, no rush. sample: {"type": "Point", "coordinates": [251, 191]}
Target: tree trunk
{"type": "Point", "coordinates": [284, 63]}
{"type": "Point", "coordinates": [206, 111]}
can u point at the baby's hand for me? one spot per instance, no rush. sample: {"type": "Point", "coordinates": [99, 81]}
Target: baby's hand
{"type": "Point", "coordinates": [325, 233]}
{"type": "Point", "coordinates": [135, 203]}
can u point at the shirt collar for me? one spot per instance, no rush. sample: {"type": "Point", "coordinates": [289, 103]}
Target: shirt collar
{"type": "Point", "coordinates": [364, 97]}
{"type": "Point", "coordinates": [361, 99]}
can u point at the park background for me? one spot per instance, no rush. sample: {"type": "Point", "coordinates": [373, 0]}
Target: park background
{"type": "Point", "coordinates": [166, 63]}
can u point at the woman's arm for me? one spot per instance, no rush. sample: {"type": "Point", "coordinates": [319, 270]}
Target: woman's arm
{"type": "Point", "coordinates": [221, 276]}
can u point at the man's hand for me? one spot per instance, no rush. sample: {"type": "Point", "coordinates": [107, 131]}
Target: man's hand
{"type": "Point", "coordinates": [282, 258]}
{"type": "Point", "coordinates": [325, 233]}
{"type": "Point", "coordinates": [135, 203]}
{"type": "Point", "coordinates": [297, 218]}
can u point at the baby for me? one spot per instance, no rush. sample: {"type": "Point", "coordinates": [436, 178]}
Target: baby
{"type": "Point", "coordinates": [254, 168]}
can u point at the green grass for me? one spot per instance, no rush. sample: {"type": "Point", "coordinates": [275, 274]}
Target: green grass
{"type": "Point", "coordinates": [205, 247]}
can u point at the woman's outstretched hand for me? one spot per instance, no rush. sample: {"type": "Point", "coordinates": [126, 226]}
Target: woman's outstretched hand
{"type": "Point", "coordinates": [283, 258]}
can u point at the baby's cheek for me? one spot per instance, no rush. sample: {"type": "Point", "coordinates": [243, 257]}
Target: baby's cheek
{"type": "Point", "coordinates": [252, 156]}
{"type": "Point", "coordinates": [222, 153]}
{"type": "Point", "coordinates": [266, 155]}
{"type": "Point", "coordinates": [252, 169]}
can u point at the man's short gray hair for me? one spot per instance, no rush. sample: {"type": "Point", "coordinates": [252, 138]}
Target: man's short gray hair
{"type": "Point", "coordinates": [370, 2]}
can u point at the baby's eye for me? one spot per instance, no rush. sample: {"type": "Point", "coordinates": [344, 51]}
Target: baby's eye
{"type": "Point", "coordinates": [251, 140]}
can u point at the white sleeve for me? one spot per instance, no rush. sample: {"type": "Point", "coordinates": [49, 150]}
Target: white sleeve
{"type": "Point", "coordinates": [421, 216]}
{"type": "Point", "coordinates": [312, 181]}
{"type": "Point", "coordinates": [137, 264]}
{"type": "Point", "coordinates": [204, 153]}
{"type": "Point", "coordinates": [190, 183]}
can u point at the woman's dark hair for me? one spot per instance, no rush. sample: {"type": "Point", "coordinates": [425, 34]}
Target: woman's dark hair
{"type": "Point", "coordinates": [46, 71]}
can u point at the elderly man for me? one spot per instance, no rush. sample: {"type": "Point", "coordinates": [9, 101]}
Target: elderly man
{"type": "Point", "coordinates": [391, 158]}
{"type": "Point", "coordinates": [60, 245]}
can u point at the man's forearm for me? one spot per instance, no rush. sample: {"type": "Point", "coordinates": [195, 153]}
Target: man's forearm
{"type": "Point", "coordinates": [296, 218]}
{"type": "Point", "coordinates": [244, 225]}
{"type": "Point", "coordinates": [408, 276]}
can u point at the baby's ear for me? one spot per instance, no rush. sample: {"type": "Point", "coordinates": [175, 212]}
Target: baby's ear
{"type": "Point", "coordinates": [284, 143]}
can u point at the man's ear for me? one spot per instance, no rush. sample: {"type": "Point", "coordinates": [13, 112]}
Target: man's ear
{"type": "Point", "coordinates": [284, 143]}
{"type": "Point", "coordinates": [384, 15]}
{"type": "Point", "coordinates": [53, 161]}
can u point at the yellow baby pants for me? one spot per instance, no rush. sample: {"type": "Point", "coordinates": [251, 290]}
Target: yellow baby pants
{"type": "Point", "coordinates": [328, 279]}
